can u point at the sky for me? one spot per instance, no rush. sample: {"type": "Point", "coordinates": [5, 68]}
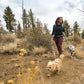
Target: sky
{"type": "Point", "coordinates": [47, 10]}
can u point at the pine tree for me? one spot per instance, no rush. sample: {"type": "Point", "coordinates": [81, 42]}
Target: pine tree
{"type": "Point", "coordinates": [24, 19]}
{"type": "Point", "coordinates": [76, 28]}
{"type": "Point", "coordinates": [67, 27]}
{"type": "Point", "coordinates": [0, 23]}
{"type": "Point", "coordinates": [19, 31]}
{"type": "Point", "coordinates": [83, 34]}
{"type": "Point", "coordinates": [71, 31]}
{"type": "Point", "coordinates": [28, 21]}
{"type": "Point", "coordinates": [19, 27]}
{"type": "Point", "coordinates": [9, 19]}
{"type": "Point", "coordinates": [31, 17]}
{"type": "Point", "coordinates": [38, 28]}
{"type": "Point", "coordinates": [46, 29]}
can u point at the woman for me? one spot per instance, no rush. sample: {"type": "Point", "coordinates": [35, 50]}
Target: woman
{"type": "Point", "coordinates": [58, 32]}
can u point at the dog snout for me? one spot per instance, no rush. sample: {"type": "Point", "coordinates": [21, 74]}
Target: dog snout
{"type": "Point", "coordinates": [48, 69]}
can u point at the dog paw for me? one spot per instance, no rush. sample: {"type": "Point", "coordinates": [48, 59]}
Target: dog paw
{"type": "Point", "coordinates": [48, 75]}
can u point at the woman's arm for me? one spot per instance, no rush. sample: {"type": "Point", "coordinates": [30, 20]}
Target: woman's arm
{"type": "Point", "coordinates": [53, 31]}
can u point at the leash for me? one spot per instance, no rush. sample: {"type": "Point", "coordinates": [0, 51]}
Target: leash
{"type": "Point", "coordinates": [68, 43]}
{"type": "Point", "coordinates": [66, 39]}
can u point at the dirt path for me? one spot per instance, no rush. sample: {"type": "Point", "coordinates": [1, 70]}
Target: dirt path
{"type": "Point", "coordinates": [72, 70]}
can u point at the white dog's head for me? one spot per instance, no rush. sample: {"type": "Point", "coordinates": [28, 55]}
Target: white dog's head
{"type": "Point", "coordinates": [71, 47]}
{"type": "Point", "coordinates": [50, 66]}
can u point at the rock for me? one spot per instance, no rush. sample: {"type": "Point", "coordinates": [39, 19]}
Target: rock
{"type": "Point", "coordinates": [16, 65]}
{"type": "Point", "coordinates": [15, 59]}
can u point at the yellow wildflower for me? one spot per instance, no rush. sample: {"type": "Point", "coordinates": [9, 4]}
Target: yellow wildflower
{"type": "Point", "coordinates": [23, 51]}
{"type": "Point", "coordinates": [36, 68]}
{"type": "Point", "coordinates": [29, 69]}
{"type": "Point", "coordinates": [32, 62]}
{"type": "Point", "coordinates": [10, 82]}
{"type": "Point", "coordinates": [28, 83]}
{"type": "Point", "coordinates": [19, 75]}
{"type": "Point", "coordinates": [21, 54]}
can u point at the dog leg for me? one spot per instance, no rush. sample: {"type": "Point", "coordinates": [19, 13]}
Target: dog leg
{"type": "Point", "coordinates": [71, 54]}
{"type": "Point", "coordinates": [58, 70]}
{"type": "Point", "coordinates": [49, 74]}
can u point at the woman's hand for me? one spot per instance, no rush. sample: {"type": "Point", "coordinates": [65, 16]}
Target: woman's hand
{"type": "Point", "coordinates": [63, 33]}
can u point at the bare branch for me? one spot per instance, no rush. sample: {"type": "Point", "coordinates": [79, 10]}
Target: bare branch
{"type": "Point", "coordinates": [81, 10]}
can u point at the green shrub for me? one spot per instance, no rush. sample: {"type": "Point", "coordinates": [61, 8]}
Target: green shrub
{"type": "Point", "coordinates": [38, 38]}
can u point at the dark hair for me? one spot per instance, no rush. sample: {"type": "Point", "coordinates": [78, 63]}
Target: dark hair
{"type": "Point", "coordinates": [57, 20]}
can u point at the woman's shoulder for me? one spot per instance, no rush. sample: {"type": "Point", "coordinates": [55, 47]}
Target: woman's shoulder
{"type": "Point", "coordinates": [54, 25]}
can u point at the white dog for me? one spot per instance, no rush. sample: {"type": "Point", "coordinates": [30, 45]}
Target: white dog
{"type": "Point", "coordinates": [55, 65]}
{"type": "Point", "coordinates": [71, 49]}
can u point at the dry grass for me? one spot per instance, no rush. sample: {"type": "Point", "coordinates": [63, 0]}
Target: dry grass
{"type": "Point", "coordinates": [78, 43]}
{"type": "Point", "coordinates": [49, 54]}
{"type": "Point", "coordinates": [39, 50]}
{"type": "Point", "coordinates": [70, 38]}
{"type": "Point", "coordinates": [8, 43]}
{"type": "Point", "coordinates": [10, 48]}
{"type": "Point", "coordinates": [75, 38]}
{"type": "Point", "coordinates": [82, 41]}
{"type": "Point", "coordinates": [79, 51]}
{"type": "Point", "coordinates": [8, 38]}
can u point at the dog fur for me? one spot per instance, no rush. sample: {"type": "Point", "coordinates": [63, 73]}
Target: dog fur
{"type": "Point", "coordinates": [71, 48]}
{"type": "Point", "coordinates": [55, 65]}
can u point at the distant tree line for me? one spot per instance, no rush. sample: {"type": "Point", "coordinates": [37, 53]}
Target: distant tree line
{"type": "Point", "coordinates": [30, 22]}
{"type": "Point", "coordinates": [72, 31]}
